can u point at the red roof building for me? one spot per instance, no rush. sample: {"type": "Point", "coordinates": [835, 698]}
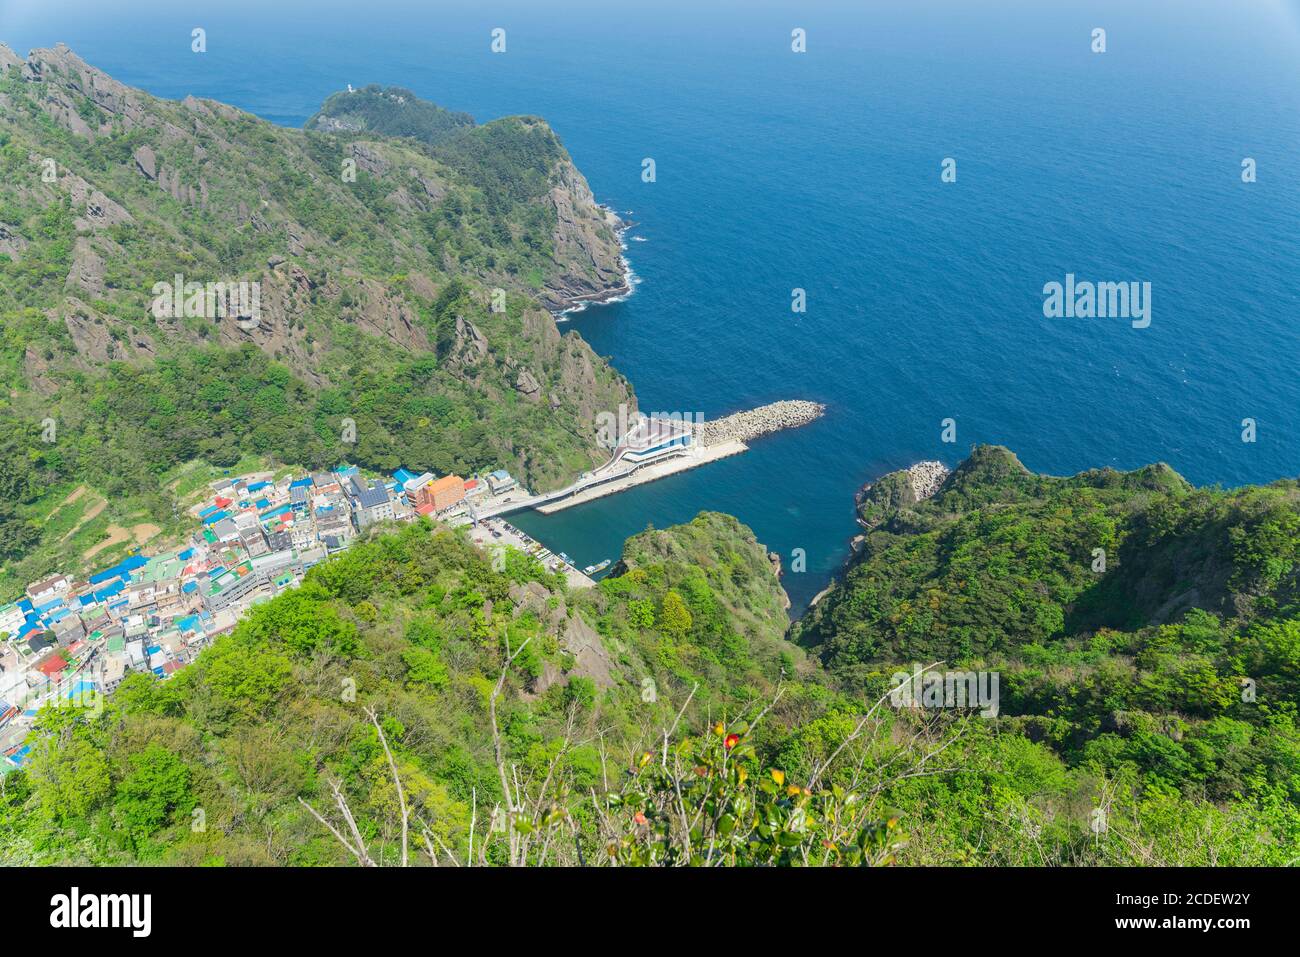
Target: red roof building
{"type": "Point", "coordinates": [52, 665]}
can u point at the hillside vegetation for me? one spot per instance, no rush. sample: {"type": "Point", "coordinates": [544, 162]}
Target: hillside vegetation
{"type": "Point", "coordinates": [380, 338]}
{"type": "Point", "coordinates": [660, 718]}
{"type": "Point", "coordinates": [391, 111]}
{"type": "Point", "coordinates": [1144, 631]}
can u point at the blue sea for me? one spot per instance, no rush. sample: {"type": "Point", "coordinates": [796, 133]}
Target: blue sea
{"type": "Point", "coordinates": [820, 171]}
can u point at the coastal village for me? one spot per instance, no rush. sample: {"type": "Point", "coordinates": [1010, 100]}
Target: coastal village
{"type": "Point", "coordinates": [68, 641]}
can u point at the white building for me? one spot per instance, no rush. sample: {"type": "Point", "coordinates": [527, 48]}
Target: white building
{"type": "Point", "coordinates": [42, 591]}
{"type": "Point", "coordinates": [501, 481]}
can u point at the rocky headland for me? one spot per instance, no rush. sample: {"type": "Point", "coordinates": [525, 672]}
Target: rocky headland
{"type": "Point", "coordinates": [898, 490]}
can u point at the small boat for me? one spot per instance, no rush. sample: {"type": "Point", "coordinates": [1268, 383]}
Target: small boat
{"type": "Point", "coordinates": [598, 567]}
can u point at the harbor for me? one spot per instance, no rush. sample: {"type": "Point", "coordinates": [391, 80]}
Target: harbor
{"type": "Point", "coordinates": [647, 472]}
{"type": "Point", "coordinates": [256, 536]}
{"type": "Point", "coordinates": [656, 446]}
{"type": "Point", "coordinates": [494, 534]}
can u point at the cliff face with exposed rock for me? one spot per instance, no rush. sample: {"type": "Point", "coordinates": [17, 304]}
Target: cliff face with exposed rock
{"type": "Point", "coordinates": [347, 236]}
{"type": "Point", "coordinates": [580, 259]}
{"type": "Point", "coordinates": [403, 286]}
{"type": "Point", "coordinates": [588, 251]}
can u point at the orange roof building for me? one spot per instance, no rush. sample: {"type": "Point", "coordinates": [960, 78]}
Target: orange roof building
{"type": "Point", "coordinates": [444, 492]}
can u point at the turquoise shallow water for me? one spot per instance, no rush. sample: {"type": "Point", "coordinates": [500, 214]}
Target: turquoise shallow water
{"type": "Point", "coordinates": [821, 171]}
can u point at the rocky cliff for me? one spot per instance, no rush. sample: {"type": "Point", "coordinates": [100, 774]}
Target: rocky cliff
{"type": "Point", "coordinates": [400, 286]}
{"type": "Point", "coordinates": [582, 262]}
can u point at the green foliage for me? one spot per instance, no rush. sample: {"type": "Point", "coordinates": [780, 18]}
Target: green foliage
{"type": "Point", "coordinates": [153, 793]}
{"type": "Point", "coordinates": [70, 778]}
{"type": "Point", "coordinates": [374, 292]}
{"type": "Point", "coordinates": [716, 805]}
{"type": "Point", "coordinates": [1145, 726]}
{"type": "Point", "coordinates": [674, 616]}
{"type": "Point", "coordinates": [304, 622]}
{"type": "Point", "coordinates": [1173, 665]}
{"type": "Point", "coordinates": [391, 111]}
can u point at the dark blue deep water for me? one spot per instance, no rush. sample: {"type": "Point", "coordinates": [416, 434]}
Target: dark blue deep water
{"type": "Point", "coordinates": [822, 171]}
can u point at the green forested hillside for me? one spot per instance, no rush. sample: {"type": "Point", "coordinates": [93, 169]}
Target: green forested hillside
{"type": "Point", "coordinates": [402, 291]}
{"type": "Point", "coordinates": [662, 717]}
{"type": "Point", "coordinates": [417, 625]}
{"type": "Point", "coordinates": [1174, 666]}
{"type": "Point", "coordinates": [388, 111]}
{"type": "Point", "coordinates": [1145, 634]}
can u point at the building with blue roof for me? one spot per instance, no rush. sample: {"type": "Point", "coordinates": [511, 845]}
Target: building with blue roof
{"type": "Point", "coordinates": [500, 481]}
{"type": "Point", "coordinates": [80, 688]}
{"type": "Point", "coordinates": [109, 591]}
{"type": "Point", "coordinates": [121, 570]}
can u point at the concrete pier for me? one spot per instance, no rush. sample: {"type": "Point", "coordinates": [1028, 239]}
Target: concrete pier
{"type": "Point", "coordinates": [700, 455]}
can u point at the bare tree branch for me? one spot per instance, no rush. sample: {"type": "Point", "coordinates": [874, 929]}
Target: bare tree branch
{"type": "Point", "coordinates": [397, 780]}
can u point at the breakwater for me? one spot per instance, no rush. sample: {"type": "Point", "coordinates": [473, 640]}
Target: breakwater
{"type": "Point", "coordinates": [752, 423]}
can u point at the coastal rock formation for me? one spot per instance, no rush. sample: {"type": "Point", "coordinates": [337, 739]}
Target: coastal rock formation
{"type": "Point", "coordinates": [588, 252]}
{"type": "Point", "coordinates": [585, 262]}
{"type": "Point", "coordinates": [744, 426]}
{"type": "Point", "coordinates": [87, 271]}
{"type": "Point", "coordinates": [574, 636]}
{"type": "Point", "coordinates": [775, 559]}
{"type": "Point", "coordinates": [926, 478]}
{"type": "Point", "coordinates": [527, 384]}
{"type": "Point", "coordinates": [95, 210]}
{"type": "Point", "coordinates": [146, 162]}
{"type": "Point", "coordinates": [369, 160]}
{"type": "Point", "coordinates": [8, 59]}
{"type": "Point", "coordinates": [11, 243]}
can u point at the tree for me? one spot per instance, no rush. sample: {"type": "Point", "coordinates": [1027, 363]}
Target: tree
{"type": "Point", "coordinates": [674, 616]}
{"type": "Point", "coordinates": [70, 779]}
{"type": "Point", "coordinates": [156, 788]}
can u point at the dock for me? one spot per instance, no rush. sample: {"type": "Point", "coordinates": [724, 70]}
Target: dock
{"type": "Point", "coordinates": [659, 447]}
{"type": "Point", "coordinates": [701, 455]}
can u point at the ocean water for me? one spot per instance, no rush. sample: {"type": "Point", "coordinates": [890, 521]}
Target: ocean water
{"type": "Point", "coordinates": [821, 171]}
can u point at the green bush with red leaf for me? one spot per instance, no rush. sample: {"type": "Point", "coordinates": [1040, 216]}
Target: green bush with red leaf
{"type": "Point", "coordinates": [709, 802]}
